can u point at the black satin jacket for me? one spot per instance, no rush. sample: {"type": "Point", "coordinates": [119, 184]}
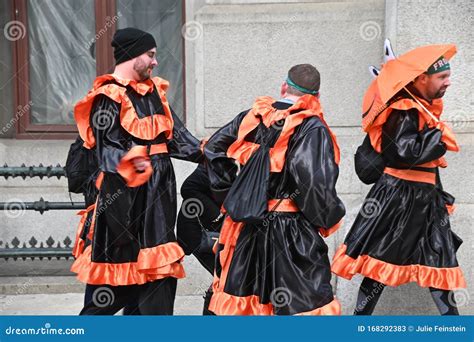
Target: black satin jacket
{"type": "Point", "coordinates": [404, 146]}
{"type": "Point", "coordinates": [309, 175]}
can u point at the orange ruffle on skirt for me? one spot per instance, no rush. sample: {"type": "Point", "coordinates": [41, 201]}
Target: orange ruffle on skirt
{"type": "Point", "coordinates": [395, 275]}
{"type": "Point", "coordinates": [225, 304]}
{"type": "Point", "coordinates": [79, 242]}
{"type": "Point", "coordinates": [152, 264]}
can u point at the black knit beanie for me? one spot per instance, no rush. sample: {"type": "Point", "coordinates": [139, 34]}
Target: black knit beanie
{"type": "Point", "coordinates": [130, 42]}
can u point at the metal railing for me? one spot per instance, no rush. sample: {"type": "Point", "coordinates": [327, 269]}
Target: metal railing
{"type": "Point", "coordinates": [48, 249]}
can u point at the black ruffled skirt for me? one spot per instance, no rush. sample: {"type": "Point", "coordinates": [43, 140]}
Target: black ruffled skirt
{"type": "Point", "coordinates": [402, 234]}
{"type": "Point", "coordinates": [277, 267]}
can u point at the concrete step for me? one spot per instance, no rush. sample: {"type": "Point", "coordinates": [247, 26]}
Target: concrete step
{"type": "Point", "coordinates": [40, 285]}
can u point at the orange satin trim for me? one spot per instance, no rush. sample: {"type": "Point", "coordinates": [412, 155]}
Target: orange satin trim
{"type": "Point", "coordinates": [158, 148]}
{"type": "Point", "coordinates": [450, 208]}
{"type": "Point", "coordinates": [147, 128]}
{"type": "Point", "coordinates": [225, 304]}
{"type": "Point", "coordinates": [327, 232]}
{"type": "Point", "coordinates": [412, 175]}
{"type": "Point", "coordinates": [228, 236]}
{"type": "Point", "coordinates": [130, 273]}
{"type": "Point", "coordinates": [284, 205]}
{"type": "Point", "coordinates": [127, 170]}
{"type": "Point", "coordinates": [83, 108]}
{"type": "Point", "coordinates": [203, 143]}
{"type": "Point", "coordinates": [153, 258]}
{"type": "Point", "coordinates": [92, 227]}
{"type": "Point", "coordinates": [440, 162]}
{"type": "Point", "coordinates": [99, 180]}
{"type": "Point", "coordinates": [141, 87]}
{"type": "Point", "coordinates": [241, 150]}
{"type": "Point", "coordinates": [79, 243]}
{"type": "Point", "coordinates": [448, 138]}
{"type": "Point", "coordinates": [395, 275]}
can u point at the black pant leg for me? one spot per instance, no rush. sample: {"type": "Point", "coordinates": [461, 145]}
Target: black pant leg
{"type": "Point", "coordinates": [157, 298]}
{"type": "Point", "coordinates": [445, 302]}
{"type": "Point", "coordinates": [107, 300]}
{"type": "Point", "coordinates": [207, 300]}
{"type": "Point", "coordinates": [207, 260]}
{"type": "Point", "coordinates": [369, 294]}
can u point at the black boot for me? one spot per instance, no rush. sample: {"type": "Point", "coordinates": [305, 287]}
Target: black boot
{"type": "Point", "coordinates": [207, 301]}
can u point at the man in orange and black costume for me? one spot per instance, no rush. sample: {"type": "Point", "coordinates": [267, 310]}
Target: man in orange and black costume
{"type": "Point", "coordinates": [130, 255]}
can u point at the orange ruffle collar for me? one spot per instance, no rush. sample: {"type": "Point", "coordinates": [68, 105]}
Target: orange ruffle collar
{"type": "Point", "coordinates": [146, 128]}
{"type": "Point", "coordinates": [262, 110]}
{"type": "Point", "coordinates": [140, 87]}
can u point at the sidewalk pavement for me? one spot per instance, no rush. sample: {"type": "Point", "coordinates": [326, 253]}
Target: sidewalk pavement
{"type": "Point", "coordinates": [71, 304]}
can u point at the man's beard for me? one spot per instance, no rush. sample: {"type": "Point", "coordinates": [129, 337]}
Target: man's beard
{"type": "Point", "coordinates": [142, 71]}
{"type": "Point", "coordinates": [440, 93]}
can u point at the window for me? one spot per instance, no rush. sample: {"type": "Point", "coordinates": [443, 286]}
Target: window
{"type": "Point", "coordinates": [61, 45]}
{"type": "Point", "coordinates": [7, 117]}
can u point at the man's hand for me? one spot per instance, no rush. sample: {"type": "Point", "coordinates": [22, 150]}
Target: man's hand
{"type": "Point", "coordinates": [140, 164]}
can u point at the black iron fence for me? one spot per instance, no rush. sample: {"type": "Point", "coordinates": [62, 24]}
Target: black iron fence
{"type": "Point", "coordinates": [50, 248]}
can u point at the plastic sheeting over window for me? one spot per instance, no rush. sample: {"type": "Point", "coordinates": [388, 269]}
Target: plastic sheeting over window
{"type": "Point", "coordinates": [62, 67]}
{"type": "Point", "coordinates": [8, 118]}
{"type": "Point", "coordinates": [162, 19]}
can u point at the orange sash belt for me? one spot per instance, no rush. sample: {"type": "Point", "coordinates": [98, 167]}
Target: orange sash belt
{"type": "Point", "coordinates": [286, 205]}
{"type": "Point", "coordinates": [412, 175]}
{"type": "Point", "coordinates": [158, 148]}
